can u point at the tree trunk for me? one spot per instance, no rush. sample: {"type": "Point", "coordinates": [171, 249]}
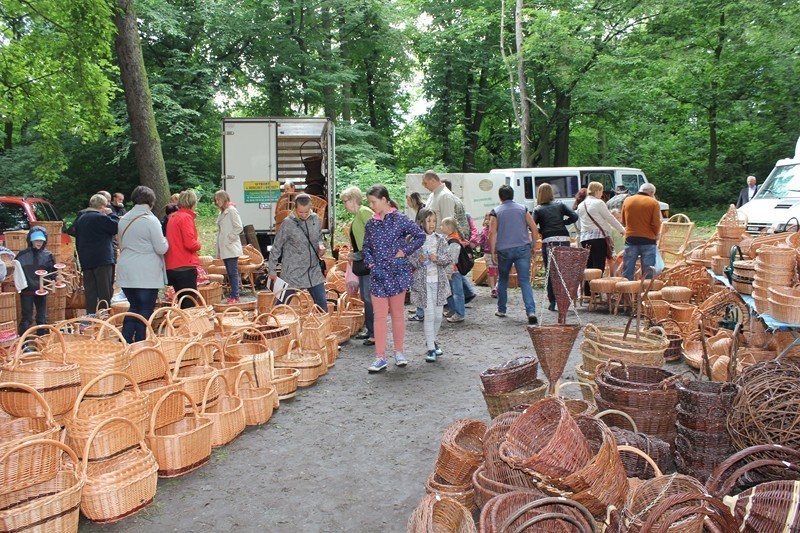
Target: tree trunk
{"type": "Point", "coordinates": [370, 78]}
{"type": "Point", "coordinates": [473, 121]}
{"type": "Point", "coordinates": [328, 97]}
{"type": "Point", "coordinates": [524, 104]}
{"type": "Point", "coordinates": [146, 142]}
{"type": "Point", "coordinates": [562, 116]}
{"type": "Point", "coordinates": [444, 123]}
{"type": "Point", "coordinates": [9, 131]}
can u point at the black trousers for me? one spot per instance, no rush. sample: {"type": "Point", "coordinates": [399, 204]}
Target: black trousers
{"type": "Point", "coordinates": [99, 285]}
{"type": "Point", "coordinates": [183, 279]}
{"type": "Point", "coordinates": [27, 303]}
{"type": "Point", "coordinates": [597, 257]}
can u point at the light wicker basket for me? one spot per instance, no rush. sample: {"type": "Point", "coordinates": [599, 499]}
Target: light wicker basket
{"type": "Point", "coordinates": [8, 307]}
{"type": "Point", "coordinates": [227, 415]}
{"type": "Point", "coordinates": [183, 445]}
{"type": "Point", "coordinates": [259, 402]}
{"type": "Point", "coordinates": [200, 316]}
{"type": "Point", "coordinates": [171, 325]}
{"type": "Point", "coordinates": [193, 379]}
{"type": "Point", "coordinates": [308, 362]}
{"type": "Point", "coordinates": [121, 486]}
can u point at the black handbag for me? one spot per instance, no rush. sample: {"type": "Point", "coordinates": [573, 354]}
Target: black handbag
{"type": "Point", "coordinates": [359, 268]}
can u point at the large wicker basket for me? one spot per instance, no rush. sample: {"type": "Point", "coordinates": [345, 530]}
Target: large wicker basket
{"type": "Point", "coordinates": [227, 414]}
{"type": "Point", "coordinates": [259, 402]}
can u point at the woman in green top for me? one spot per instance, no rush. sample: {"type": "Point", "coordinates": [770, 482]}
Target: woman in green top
{"type": "Point", "coordinates": [353, 200]}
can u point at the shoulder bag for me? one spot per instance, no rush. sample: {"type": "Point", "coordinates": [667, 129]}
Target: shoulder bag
{"type": "Point", "coordinates": [359, 267]}
{"type": "Point", "coordinates": [609, 242]}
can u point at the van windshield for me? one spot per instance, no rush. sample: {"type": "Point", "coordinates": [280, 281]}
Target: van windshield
{"type": "Point", "coordinates": [784, 182]}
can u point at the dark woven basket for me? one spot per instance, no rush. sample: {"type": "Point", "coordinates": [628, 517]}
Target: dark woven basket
{"type": "Point", "coordinates": [701, 441]}
{"type": "Point", "coordinates": [659, 424]}
{"type": "Point", "coordinates": [674, 351]}
{"type": "Point", "coordinates": [487, 488]}
{"type": "Point", "coordinates": [620, 374]}
{"type": "Point", "coordinates": [701, 396]}
{"type": "Point", "coordinates": [508, 512]}
{"type": "Point", "coordinates": [714, 420]}
{"type": "Point", "coordinates": [636, 466]}
{"type": "Point", "coordinates": [511, 375]}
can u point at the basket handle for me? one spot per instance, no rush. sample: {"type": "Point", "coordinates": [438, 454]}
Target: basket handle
{"type": "Point", "coordinates": [545, 517]}
{"type": "Point", "coordinates": [120, 317]}
{"type": "Point", "coordinates": [310, 141]}
{"type": "Point", "coordinates": [102, 325]}
{"type": "Point", "coordinates": [161, 400]}
{"type": "Point", "coordinates": [95, 381]}
{"type": "Point", "coordinates": [294, 343]}
{"type": "Point", "coordinates": [623, 414]}
{"type": "Point", "coordinates": [561, 385]}
{"type": "Point", "coordinates": [215, 376]}
{"type": "Point", "coordinates": [179, 359]}
{"type": "Point", "coordinates": [680, 218]}
{"type": "Point", "coordinates": [210, 349]}
{"type": "Point", "coordinates": [232, 308]}
{"type": "Point", "coordinates": [161, 356]}
{"type": "Point", "coordinates": [49, 442]}
{"type": "Point", "coordinates": [192, 294]}
{"type": "Point", "coordinates": [250, 378]}
{"type": "Point", "coordinates": [169, 321]}
{"type": "Point", "coordinates": [548, 501]}
{"type": "Point", "coordinates": [266, 317]}
{"type": "Point", "coordinates": [711, 508]}
{"type": "Point", "coordinates": [31, 332]}
{"type": "Point", "coordinates": [715, 481]}
{"type": "Point", "coordinates": [643, 455]}
{"type": "Point", "coordinates": [283, 307]}
{"type": "Point", "coordinates": [658, 330]}
{"type": "Point", "coordinates": [101, 425]}
{"type": "Point", "coordinates": [240, 332]}
{"type": "Point", "coordinates": [317, 312]}
{"type": "Point", "coordinates": [36, 394]}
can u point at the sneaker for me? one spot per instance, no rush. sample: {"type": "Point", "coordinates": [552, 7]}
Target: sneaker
{"type": "Point", "coordinates": [468, 299]}
{"type": "Point", "coordinates": [377, 365]}
{"type": "Point", "coordinates": [431, 357]}
{"type": "Point", "coordinates": [494, 293]}
{"type": "Point", "coordinates": [416, 318]}
{"type": "Point", "coordinates": [454, 318]}
{"type": "Point", "coordinates": [500, 314]}
{"type": "Point", "coordinates": [362, 336]}
{"type": "Point", "coordinates": [437, 349]}
{"type": "Point", "coordinates": [532, 320]}
{"type": "Point", "coordinates": [232, 301]}
{"type": "Point", "coordinates": [400, 360]}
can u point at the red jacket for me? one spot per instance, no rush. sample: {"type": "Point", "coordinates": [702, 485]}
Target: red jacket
{"type": "Point", "coordinates": [183, 241]}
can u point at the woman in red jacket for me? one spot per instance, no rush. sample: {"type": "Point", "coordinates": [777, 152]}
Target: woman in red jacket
{"type": "Point", "coordinates": [181, 258]}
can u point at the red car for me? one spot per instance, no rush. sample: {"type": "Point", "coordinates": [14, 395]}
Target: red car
{"type": "Point", "coordinates": [22, 212]}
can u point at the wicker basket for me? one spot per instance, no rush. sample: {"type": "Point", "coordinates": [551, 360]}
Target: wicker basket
{"type": "Point", "coordinates": [88, 413]}
{"type": "Point", "coordinates": [675, 294]}
{"type": "Point", "coordinates": [8, 307]}
{"type": "Point", "coordinates": [529, 393]}
{"type": "Point", "coordinates": [692, 512]}
{"type": "Point", "coordinates": [233, 318]}
{"type": "Point", "coordinates": [435, 513]}
{"type": "Point", "coordinates": [545, 440]}
{"type": "Point", "coordinates": [732, 224]}
{"type": "Point", "coordinates": [316, 326]}
{"type": "Point", "coordinates": [171, 326]}
{"type": "Point", "coordinates": [463, 494]}
{"type": "Point", "coordinates": [211, 292]}
{"type": "Point", "coordinates": [57, 382]}
{"type": "Point", "coordinates": [259, 402]}
{"type": "Point", "coordinates": [200, 314]}
{"type": "Point", "coordinates": [278, 337]}
{"type": "Point", "coordinates": [180, 446]}
{"type": "Point", "coordinates": [308, 362]}
{"type": "Point", "coordinates": [121, 486]}
{"type": "Point", "coordinates": [602, 343]}
{"type": "Point", "coordinates": [511, 375]}
{"type": "Point", "coordinates": [227, 414]}
{"type": "Point", "coordinates": [553, 344]}
{"type": "Point", "coordinates": [194, 379]}
{"type": "Point", "coordinates": [16, 240]}
{"type": "Point", "coordinates": [656, 310]}
{"type": "Point", "coordinates": [526, 510]}
{"type": "Point", "coordinates": [34, 465]}
{"type": "Point", "coordinates": [461, 451]}
{"type": "Point", "coordinates": [51, 505]}
{"type": "Point", "coordinates": [150, 340]}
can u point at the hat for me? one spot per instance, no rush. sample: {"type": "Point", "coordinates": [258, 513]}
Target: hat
{"type": "Point", "coordinates": [621, 188]}
{"type": "Point", "coordinates": [38, 236]}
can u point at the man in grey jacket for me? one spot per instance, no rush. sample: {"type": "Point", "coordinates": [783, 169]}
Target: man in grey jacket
{"type": "Point", "coordinates": [298, 248]}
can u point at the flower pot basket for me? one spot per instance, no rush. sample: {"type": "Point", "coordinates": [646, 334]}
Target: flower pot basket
{"type": "Point", "coordinates": [227, 415]}
{"type": "Point", "coordinates": [57, 382]}
{"type": "Point", "coordinates": [33, 464]}
{"type": "Point", "coordinates": [182, 445]}
{"type": "Point", "coordinates": [121, 486]}
{"type": "Point", "coordinates": [553, 343]}
{"type": "Point", "coordinates": [50, 505]}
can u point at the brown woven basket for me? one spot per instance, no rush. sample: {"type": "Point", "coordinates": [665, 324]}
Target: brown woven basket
{"type": "Point", "coordinates": [35, 464]}
{"type": "Point", "coordinates": [435, 513]}
{"type": "Point", "coordinates": [602, 343]}
{"type": "Point", "coordinates": [150, 340]}
{"type": "Point", "coordinates": [545, 440]}
{"type": "Point", "coordinates": [244, 343]}
{"type": "Point", "coordinates": [50, 505]}
{"type": "Point", "coordinates": [498, 404]}
{"type": "Point", "coordinates": [88, 414]}
{"type": "Point", "coordinates": [259, 402]}
{"type": "Point", "coordinates": [510, 375]}
{"type": "Point", "coordinates": [690, 510]}
{"type": "Point", "coordinates": [227, 414]}
{"type": "Point", "coordinates": [211, 292]}
{"type": "Point", "coordinates": [180, 446]}
{"type": "Point", "coordinates": [553, 344]}
{"type": "Point", "coordinates": [57, 382]}
{"type": "Point", "coordinates": [288, 317]}
{"type": "Point", "coordinates": [160, 386]}
{"type": "Point", "coordinates": [641, 501]}
{"type": "Point", "coordinates": [463, 494]}
{"type": "Point", "coordinates": [121, 486]}
{"type": "Point", "coordinates": [461, 451]}
{"type": "Point", "coordinates": [525, 510]}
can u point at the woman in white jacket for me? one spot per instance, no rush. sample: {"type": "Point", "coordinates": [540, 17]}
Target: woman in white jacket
{"type": "Point", "coordinates": [596, 223]}
{"type": "Point", "coordinates": [229, 246]}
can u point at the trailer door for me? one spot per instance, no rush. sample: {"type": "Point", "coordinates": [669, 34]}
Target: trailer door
{"type": "Point", "coordinates": [249, 170]}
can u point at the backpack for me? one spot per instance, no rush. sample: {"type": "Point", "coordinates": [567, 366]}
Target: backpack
{"type": "Point", "coordinates": [466, 257]}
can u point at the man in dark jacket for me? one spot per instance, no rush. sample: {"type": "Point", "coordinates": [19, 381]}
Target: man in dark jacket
{"type": "Point", "coordinates": [746, 194]}
{"type": "Point", "coordinates": [32, 259]}
{"type": "Point", "coordinates": [94, 235]}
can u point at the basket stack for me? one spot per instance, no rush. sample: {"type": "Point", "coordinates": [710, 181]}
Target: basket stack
{"type": "Point", "coordinates": [8, 307]}
{"type": "Point", "coordinates": [774, 268]}
{"type": "Point", "coordinates": [511, 384]}
{"type": "Point", "coordinates": [744, 272]}
{"type": "Point", "coordinates": [601, 343]}
{"type": "Point", "coordinates": [702, 440]}
{"type": "Point", "coordinates": [16, 240]}
{"type": "Point", "coordinates": [784, 304]}
{"type": "Point", "coordinates": [647, 394]}
{"type": "Point", "coordinates": [460, 455]}
{"type": "Point", "coordinates": [730, 229]}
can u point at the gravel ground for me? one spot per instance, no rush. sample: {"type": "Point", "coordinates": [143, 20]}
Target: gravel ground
{"type": "Point", "coordinates": [351, 453]}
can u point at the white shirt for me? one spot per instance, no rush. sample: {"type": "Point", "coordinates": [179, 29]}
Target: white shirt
{"type": "Point", "coordinates": [431, 270]}
{"type": "Point", "coordinates": [751, 191]}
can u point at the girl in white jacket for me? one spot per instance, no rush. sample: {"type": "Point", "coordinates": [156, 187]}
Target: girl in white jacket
{"type": "Point", "coordinates": [229, 246]}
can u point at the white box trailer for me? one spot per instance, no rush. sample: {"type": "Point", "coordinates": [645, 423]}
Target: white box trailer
{"type": "Point", "coordinates": [477, 191]}
{"type": "Point", "coordinates": [259, 155]}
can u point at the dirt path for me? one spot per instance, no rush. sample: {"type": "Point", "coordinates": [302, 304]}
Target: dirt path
{"type": "Point", "coordinates": [351, 453]}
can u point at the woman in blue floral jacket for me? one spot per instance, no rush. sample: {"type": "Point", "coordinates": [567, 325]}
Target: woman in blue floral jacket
{"type": "Point", "coordinates": [390, 238]}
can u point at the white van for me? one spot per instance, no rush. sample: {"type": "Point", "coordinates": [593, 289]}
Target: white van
{"type": "Point", "coordinates": [777, 201]}
{"type": "Point", "coordinates": [566, 181]}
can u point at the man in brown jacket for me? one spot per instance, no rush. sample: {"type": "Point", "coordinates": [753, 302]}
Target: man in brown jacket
{"type": "Point", "coordinates": [641, 216]}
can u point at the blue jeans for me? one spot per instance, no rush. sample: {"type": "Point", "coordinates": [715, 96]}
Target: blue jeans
{"type": "Point", "coordinates": [369, 314]}
{"type": "Point", "coordinates": [551, 298]}
{"type": "Point", "coordinates": [317, 293]}
{"type": "Point", "coordinates": [232, 266]}
{"type": "Point", "coordinates": [632, 254]}
{"type": "Point", "coordinates": [142, 302]}
{"type": "Point", "coordinates": [469, 292]}
{"type": "Point", "coordinates": [456, 299]}
{"type": "Point", "coordinates": [519, 257]}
